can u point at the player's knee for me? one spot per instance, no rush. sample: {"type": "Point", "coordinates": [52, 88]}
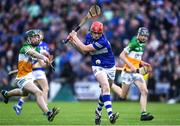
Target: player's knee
{"type": "Point", "coordinates": [144, 92]}
{"type": "Point", "coordinates": [45, 90]}
{"type": "Point", "coordinates": [123, 96]}
{"type": "Point", "coordinates": [38, 93]}
{"type": "Point", "coordinates": [105, 89]}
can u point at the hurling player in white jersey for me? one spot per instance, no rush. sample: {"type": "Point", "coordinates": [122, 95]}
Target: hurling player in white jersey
{"type": "Point", "coordinates": [24, 79]}
{"type": "Point", "coordinates": [103, 65]}
{"type": "Point", "coordinates": [132, 57]}
{"type": "Point", "coordinates": [38, 74]}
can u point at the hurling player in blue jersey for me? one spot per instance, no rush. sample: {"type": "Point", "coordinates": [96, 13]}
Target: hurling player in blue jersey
{"type": "Point", "coordinates": [38, 72]}
{"type": "Point", "coordinates": [103, 65]}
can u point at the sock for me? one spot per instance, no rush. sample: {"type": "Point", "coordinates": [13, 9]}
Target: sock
{"type": "Point", "coordinates": [108, 104]}
{"type": "Point", "coordinates": [100, 104]}
{"type": "Point", "coordinates": [20, 103]}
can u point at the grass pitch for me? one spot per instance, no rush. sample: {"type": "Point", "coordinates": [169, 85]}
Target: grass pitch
{"type": "Point", "coordinates": [82, 113]}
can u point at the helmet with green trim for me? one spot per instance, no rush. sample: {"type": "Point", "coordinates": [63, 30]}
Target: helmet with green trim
{"type": "Point", "coordinates": [29, 34]}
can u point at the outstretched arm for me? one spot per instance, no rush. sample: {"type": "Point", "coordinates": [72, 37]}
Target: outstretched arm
{"type": "Point", "coordinates": [37, 55]}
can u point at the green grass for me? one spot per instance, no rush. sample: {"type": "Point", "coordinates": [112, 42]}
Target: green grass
{"type": "Point", "coordinates": [82, 113]}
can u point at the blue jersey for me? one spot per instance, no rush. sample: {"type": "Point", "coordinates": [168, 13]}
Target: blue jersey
{"type": "Point", "coordinates": [43, 46]}
{"type": "Point", "coordinates": [103, 56]}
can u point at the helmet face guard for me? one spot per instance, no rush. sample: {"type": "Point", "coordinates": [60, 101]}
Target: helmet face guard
{"type": "Point", "coordinates": [29, 34]}
{"type": "Point", "coordinates": [143, 31]}
{"type": "Point", "coordinates": [143, 34]}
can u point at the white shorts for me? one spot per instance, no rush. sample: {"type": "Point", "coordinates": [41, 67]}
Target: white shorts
{"type": "Point", "coordinates": [21, 82]}
{"type": "Point", "coordinates": [109, 71]}
{"type": "Point", "coordinates": [39, 74]}
{"type": "Point", "coordinates": [129, 78]}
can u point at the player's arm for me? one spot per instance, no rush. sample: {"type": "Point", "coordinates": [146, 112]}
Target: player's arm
{"type": "Point", "coordinates": [37, 55]}
{"type": "Point", "coordinates": [119, 68]}
{"type": "Point", "coordinates": [123, 56]}
{"type": "Point", "coordinates": [45, 53]}
{"type": "Point", "coordinates": [75, 45]}
{"type": "Point", "coordinates": [143, 63]}
{"type": "Point", "coordinates": [13, 72]}
{"type": "Point", "coordinates": [79, 45]}
{"type": "Point", "coordinates": [42, 63]}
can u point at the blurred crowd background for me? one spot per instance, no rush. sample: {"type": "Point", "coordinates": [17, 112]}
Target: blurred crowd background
{"type": "Point", "coordinates": [121, 20]}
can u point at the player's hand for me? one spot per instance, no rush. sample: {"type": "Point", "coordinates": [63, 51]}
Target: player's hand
{"type": "Point", "coordinates": [70, 39]}
{"type": "Point", "coordinates": [46, 60]}
{"type": "Point", "coordinates": [45, 53]}
{"type": "Point", "coordinates": [146, 65]}
{"type": "Point", "coordinates": [73, 35]}
{"type": "Point", "coordinates": [143, 70]}
{"type": "Point", "coordinates": [51, 58]}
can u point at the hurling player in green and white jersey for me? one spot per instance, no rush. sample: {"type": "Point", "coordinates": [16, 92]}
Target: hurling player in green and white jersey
{"type": "Point", "coordinates": [24, 79]}
{"type": "Point", "coordinates": [38, 73]}
{"type": "Point", "coordinates": [132, 57]}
